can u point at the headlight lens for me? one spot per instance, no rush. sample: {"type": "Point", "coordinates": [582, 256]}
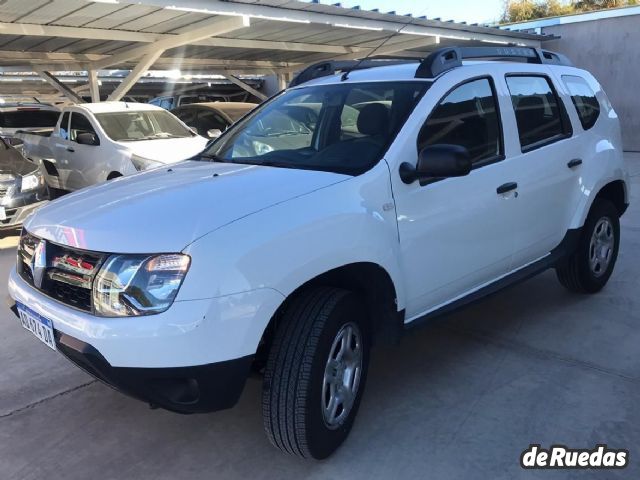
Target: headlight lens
{"type": "Point", "coordinates": [31, 182]}
{"type": "Point", "coordinates": [142, 163]}
{"type": "Point", "coordinates": [132, 285]}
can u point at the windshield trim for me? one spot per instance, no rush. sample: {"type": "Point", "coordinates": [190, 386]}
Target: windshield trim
{"type": "Point", "coordinates": [427, 84]}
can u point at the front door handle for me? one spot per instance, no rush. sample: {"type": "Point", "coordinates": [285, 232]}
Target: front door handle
{"type": "Point", "coordinates": [506, 187]}
{"type": "Point", "coordinates": [574, 163]}
{"type": "Point", "coordinates": [69, 149]}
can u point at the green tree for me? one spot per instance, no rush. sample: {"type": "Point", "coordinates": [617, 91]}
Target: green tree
{"type": "Point", "coordinates": [523, 10]}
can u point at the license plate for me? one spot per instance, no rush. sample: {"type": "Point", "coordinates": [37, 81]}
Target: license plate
{"type": "Point", "coordinates": [40, 326]}
{"type": "Point", "coordinates": [3, 213]}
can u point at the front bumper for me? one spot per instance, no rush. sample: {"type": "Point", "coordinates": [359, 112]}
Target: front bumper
{"type": "Point", "coordinates": [195, 357]}
{"type": "Point", "coordinates": [195, 389]}
{"type": "Point", "coordinates": [19, 206]}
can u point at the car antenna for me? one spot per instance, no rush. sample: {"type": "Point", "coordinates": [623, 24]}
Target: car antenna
{"type": "Point", "coordinates": [345, 75]}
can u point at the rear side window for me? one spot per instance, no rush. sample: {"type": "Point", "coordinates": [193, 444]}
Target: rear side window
{"type": "Point", "coordinates": [584, 99]}
{"type": "Point", "coordinates": [539, 115]}
{"type": "Point", "coordinates": [29, 119]}
{"type": "Point", "coordinates": [468, 117]}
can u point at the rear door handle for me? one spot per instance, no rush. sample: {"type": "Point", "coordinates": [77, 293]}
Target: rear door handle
{"type": "Point", "coordinates": [69, 149]}
{"type": "Point", "coordinates": [574, 163]}
{"type": "Point", "coordinates": [506, 187]}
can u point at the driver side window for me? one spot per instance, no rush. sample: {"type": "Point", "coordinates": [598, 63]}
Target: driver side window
{"type": "Point", "coordinates": [468, 116]}
{"type": "Point", "coordinates": [79, 124]}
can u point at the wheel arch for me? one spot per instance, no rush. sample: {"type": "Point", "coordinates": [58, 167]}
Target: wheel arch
{"type": "Point", "coordinates": [614, 190]}
{"type": "Point", "coordinates": [371, 282]}
{"type": "Point", "coordinates": [113, 175]}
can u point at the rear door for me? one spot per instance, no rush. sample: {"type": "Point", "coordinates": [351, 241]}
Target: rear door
{"type": "Point", "coordinates": [543, 150]}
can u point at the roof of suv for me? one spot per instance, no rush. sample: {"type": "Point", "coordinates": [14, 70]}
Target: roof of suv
{"type": "Point", "coordinates": [427, 69]}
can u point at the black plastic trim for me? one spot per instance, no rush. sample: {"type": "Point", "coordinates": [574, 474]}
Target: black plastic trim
{"type": "Point", "coordinates": [192, 389]}
{"type": "Point", "coordinates": [567, 246]}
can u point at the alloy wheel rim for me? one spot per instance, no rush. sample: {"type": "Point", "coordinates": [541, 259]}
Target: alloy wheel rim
{"type": "Point", "coordinates": [342, 376]}
{"type": "Point", "coordinates": [601, 247]}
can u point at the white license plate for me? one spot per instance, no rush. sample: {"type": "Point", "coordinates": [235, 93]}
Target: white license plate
{"type": "Point", "coordinates": [40, 326]}
{"type": "Point", "coordinates": [3, 213]}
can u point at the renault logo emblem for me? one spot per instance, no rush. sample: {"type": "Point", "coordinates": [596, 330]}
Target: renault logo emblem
{"type": "Point", "coordinates": [39, 263]}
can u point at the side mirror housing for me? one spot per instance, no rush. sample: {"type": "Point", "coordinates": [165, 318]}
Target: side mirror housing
{"type": "Point", "coordinates": [15, 142]}
{"type": "Point", "coordinates": [87, 138]}
{"type": "Point", "coordinates": [438, 161]}
{"type": "Point", "coordinates": [214, 133]}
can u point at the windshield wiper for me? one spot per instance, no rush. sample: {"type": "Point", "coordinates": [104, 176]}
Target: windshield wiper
{"type": "Point", "coordinates": [213, 158]}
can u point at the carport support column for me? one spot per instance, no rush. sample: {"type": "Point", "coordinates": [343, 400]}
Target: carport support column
{"type": "Point", "coordinates": [245, 86]}
{"type": "Point", "coordinates": [94, 86]}
{"type": "Point", "coordinates": [140, 69]}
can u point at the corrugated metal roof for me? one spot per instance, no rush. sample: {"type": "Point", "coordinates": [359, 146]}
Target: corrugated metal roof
{"type": "Point", "coordinates": [85, 27]}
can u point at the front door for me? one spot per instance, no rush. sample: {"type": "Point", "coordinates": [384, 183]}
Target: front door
{"type": "Point", "coordinates": [457, 234]}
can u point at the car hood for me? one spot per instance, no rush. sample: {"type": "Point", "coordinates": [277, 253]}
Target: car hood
{"type": "Point", "coordinates": [167, 150]}
{"type": "Point", "coordinates": [12, 162]}
{"type": "Point", "coordinates": [164, 210]}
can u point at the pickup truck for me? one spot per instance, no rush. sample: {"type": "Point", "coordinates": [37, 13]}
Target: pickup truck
{"type": "Point", "coordinates": [95, 142]}
{"type": "Point", "coordinates": [406, 191]}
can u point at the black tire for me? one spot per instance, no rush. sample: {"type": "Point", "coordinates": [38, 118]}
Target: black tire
{"type": "Point", "coordinates": [576, 273]}
{"type": "Point", "coordinates": [292, 395]}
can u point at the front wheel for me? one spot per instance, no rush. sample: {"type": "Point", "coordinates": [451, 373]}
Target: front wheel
{"type": "Point", "coordinates": [588, 269]}
{"type": "Point", "coordinates": [316, 372]}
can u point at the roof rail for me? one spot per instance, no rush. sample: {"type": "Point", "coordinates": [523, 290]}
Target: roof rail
{"type": "Point", "coordinates": [331, 67]}
{"type": "Point", "coordinates": [436, 63]}
{"type": "Point", "coordinates": [447, 58]}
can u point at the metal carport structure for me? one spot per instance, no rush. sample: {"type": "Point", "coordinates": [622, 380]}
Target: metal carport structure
{"type": "Point", "coordinates": [228, 38]}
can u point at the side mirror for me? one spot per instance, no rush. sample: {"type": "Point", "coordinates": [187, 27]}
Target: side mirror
{"type": "Point", "coordinates": [15, 142]}
{"type": "Point", "coordinates": [214, 133]}
{"type": "Point", "coordinates": [438, 161]}
{"type": "Point", "coordinates": [87, 138]}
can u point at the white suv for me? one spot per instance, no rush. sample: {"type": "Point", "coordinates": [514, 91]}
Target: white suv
{"type": "Point", "coordinates": [344, 211]}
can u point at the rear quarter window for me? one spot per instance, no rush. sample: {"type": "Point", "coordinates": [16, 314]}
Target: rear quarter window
{"type": "Point", "coordinates": [584, 99]}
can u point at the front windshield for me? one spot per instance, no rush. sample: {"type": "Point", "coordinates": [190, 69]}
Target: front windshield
{"type": "Point", "coordinates": [340, 128]}
{"type": "Point", "coordinates": [142, 125]}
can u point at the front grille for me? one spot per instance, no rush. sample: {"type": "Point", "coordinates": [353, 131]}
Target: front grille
{"type": "Point", "coordinates": [63, 273]}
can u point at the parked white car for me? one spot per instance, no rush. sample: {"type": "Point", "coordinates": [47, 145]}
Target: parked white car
{"type": "Point", "coordinates": [95, 142]}
{"type": "Point", "coordinates": [398, 194]}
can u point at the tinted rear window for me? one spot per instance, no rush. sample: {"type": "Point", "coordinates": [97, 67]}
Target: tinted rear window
{"type": "Point", "coordinates": [584, 99]}
{"type": "Point", "coordinates": [29, 119]}
{"type": "Point", "coordinates": [538, 110]}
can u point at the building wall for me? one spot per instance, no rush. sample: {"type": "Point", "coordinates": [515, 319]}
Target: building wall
{"type": "Point", "coordinates": [610, 49]}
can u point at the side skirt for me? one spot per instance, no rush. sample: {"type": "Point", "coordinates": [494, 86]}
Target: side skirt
{"type": "Point", "coordinates": [566, 247]}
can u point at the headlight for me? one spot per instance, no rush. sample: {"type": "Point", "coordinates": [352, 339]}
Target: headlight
{"type": "Point", "coordinates": [131, 285]}
{"type": "Point", "coordinates": [142, 163]}
{"type": "Point", "coordinates": [31, 182]}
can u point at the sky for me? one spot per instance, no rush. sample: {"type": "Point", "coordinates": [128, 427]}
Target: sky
{"type": "Point", "coordinates": [471, 11]}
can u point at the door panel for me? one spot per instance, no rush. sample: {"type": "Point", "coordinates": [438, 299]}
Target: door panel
{"type": "Point", "coordinates": [456, 234]}
{"type": "Point", "coordinates": [546, 183]}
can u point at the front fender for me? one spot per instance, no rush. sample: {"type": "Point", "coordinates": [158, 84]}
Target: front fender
{"type": "Point", "coordinates": [288, 244]}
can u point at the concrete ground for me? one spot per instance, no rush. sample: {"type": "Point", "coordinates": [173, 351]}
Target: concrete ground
{"type": "Point", "coordinates": [461, 399]}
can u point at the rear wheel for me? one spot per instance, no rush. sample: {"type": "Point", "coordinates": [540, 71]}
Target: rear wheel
{"type": "Point", "coordinates": [588, 269]}
{"type": "Point", "coordinates": [316, 372]}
